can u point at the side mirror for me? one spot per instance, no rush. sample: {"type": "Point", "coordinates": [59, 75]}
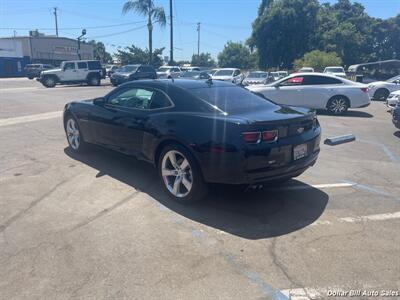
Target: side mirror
{"type": "Point", "coordinates": [99, 101]}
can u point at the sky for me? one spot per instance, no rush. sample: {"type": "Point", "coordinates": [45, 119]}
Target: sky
{"type": "Point", "coordinates": [221, 21]}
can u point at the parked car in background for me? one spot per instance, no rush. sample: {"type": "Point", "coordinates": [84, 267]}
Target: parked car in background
{"type": "Point", "coordinates": [380, 90]}
{"type": "Point", "coordinates": [396, 117]}
{"type": "Point", "coordinates": [110, 69]}
{"type": "Point", "coordinates": [256, 77]}
{"type": "Point", "coordinates": [169, 72]}
{"type": "Point", "coordinates": [337, 71]}
{"type": "Point", "coordinates": [195, 75]}
{"type": "Point", "coordinates": [195, 133]}
{"type": "Point", "coordinates": [33, 70]}
{"type": "Point", "coordinates": [283, 74]}
{"type": "Point", "coordinates": [274, 76]}
{"type": "Point", "coordinates": [132, 72]}
{"type": "Point", "coordinates": [316, 90]}
{"type": "Point", "coordinates": [212, 71]}
{"type": "Point", "coordinates": [306, 70]}
{"type": "Point", "coordinates": [229, 74]}
{"type": "Point", "coordinates": [72, 72]}
{"type": "Point", "coordinates": [393, 100]}
{"type": "Point", "coordinates": [184, 69]}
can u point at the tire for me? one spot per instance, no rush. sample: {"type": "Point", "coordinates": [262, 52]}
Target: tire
{"type": "Point", "coordinates": [30, 77]}
{"type": "Point", "coordinates": [338, 105]}
{"type": "Point", "coordinates": [49, 81]}
{"type": "Point", "coordinates": [381, 94]}
{"type": "Point", "coordinates": [180, 175]}
{"type": "Point", "coordinates": [94, 80]}
{"type": "Point", "coordinates": [74, 135]}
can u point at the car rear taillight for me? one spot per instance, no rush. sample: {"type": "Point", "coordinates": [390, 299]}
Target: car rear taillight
{"type": "Point", "coordinates": [365, 90]}
{"type": "Point", "coordinates": [256, 137]}
{"type": "Point", "coordinates": [251, 137]}
{"type": "Point", "coordinates": [270, 136]}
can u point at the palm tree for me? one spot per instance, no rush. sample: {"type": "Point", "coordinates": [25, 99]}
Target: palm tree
{"type": "Point", "coordinates": [149, 10]}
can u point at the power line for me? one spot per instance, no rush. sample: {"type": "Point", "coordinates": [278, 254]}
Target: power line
{"type": "Point", "coordinates": [73, 28]}
{"type": "Point", "coordinates": [117, 33]}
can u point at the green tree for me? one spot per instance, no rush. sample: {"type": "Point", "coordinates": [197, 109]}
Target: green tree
{"type": "Point", "coordinates": [235, 55]}
{"type": "Point", "coordinates": [153, 13]}
{"type": "Point", "coordinates": [203, 60]}
{"type": "Point", "coordinates": [346, 29]}
{"type": "Point", "coordinates": [136, 55]}
{"type": "Point", "coordinates": [99, 52]}
{"type": "Point", "coordinates": [318, 60]}
{"type": "Point", "coordinates": [283, 31]}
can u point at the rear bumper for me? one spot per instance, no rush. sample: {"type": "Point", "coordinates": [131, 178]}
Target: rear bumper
{"type": "Point", "coordinates": [254, 167]}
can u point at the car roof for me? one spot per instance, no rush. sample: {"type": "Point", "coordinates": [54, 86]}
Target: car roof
{"type": "Point", "coordinates": [229, 69]}
{"type": "Point", "coordinates": [182, 83]}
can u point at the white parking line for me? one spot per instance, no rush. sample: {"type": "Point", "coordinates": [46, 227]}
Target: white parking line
{"type": "Point", "coordinates": [377, 217]}
{"type": "Point", "coordinates": [30, 118]}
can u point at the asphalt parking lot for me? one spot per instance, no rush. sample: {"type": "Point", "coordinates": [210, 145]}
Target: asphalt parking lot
{"type": "Point", "coordinates": [98, 225]}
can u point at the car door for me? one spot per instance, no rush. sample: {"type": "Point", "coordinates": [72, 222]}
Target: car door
{"type": "Point", "coordinates": [287, 92]}
{"type": "Point", "coordinates": [317, 90]}
{"type": "Point", "coordinates": [82, 70]}
{"type": "Point", "coordinates": [121, 123]}
{"type": "Point", "coordinates": [69, 72]}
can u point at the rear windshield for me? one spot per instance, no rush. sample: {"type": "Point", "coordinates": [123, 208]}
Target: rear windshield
{"type": "Point", "coordinates": [129, 68]}
{"type": "Point", "coordinates": [335, 70]}
{"type": "Point", "coordinates": [33, 66]}
{"type": "Point", "coordinates": [223, 73]}
{"type": "Point", "coordinates": [257, 75]}
{"type": "Point", "coordinates": [232, 99]}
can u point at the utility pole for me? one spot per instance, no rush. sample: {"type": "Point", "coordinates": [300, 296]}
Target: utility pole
{"type": "Point", "coordinates": [55, 18]}
{"type": "Point", "coordinates": [171, 59]}
{"type": "Point", "coordinates": [79, 43]}
{"type": "Point", "coordinates": [198, 39]}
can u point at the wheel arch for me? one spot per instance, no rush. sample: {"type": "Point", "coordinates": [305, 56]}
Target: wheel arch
{"type": "Point", "coordinates": [168, 141]}
{"type": "Point", "coordinates": [51, 75]}
{"type": "Point", "coordinates": [381, 88]}
{"type": "Point", "coordinates": [339, 96]}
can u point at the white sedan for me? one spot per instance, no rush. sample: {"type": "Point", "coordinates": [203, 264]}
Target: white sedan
{"type": "Point", "coordinates": [316, 90]}
{"type": "Point", "coordinates": [380, 90]}
{"type": "Point", "coordinates": [229, 74]}
{"type": "Point", "coordinates": [393, 100]}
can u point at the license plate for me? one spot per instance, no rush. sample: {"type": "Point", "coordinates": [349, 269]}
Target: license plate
{"type": "Point", "coordinates": [300, 151]}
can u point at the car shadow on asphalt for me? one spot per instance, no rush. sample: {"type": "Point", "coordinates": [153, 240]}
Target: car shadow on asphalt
{"type": "Point", "coordinates": [349, 113]}
{"type": "Point", "coordinates": [255, 214]}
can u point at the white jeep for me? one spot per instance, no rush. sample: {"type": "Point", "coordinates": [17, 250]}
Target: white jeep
{"type": "Point", "coordinates": [72, 72]}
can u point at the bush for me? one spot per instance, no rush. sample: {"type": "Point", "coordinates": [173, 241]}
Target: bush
{"type": "Point", "coordinates": [318, 60]}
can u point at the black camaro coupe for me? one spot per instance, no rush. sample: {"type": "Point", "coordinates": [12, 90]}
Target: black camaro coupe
{"type": "Point", "coordinates": [198, 132]}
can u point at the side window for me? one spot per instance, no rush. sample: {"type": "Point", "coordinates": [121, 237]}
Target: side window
{"type": "Point", "coordinates": [69, 66]}
{"type": "Point", "coordinates": [82, 65]}
{"type": "Point", "coordinates": [132, 98]}
{"type": "Point", "coordinates": [237, 72]}
{"type": "Point", "coordinates": [293, 81]}
{"type": "Point", "coordinates": [319, 80]}
{"type": "Point", "coordinates": [159, 100]}
{"type": "Point", "coordinates": [94, 65]}
{"type": "Point", "coordinates": [175, 70]}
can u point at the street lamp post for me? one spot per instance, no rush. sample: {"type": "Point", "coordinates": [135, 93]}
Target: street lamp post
{"type": "Point", "coordinates": [79, 43]}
